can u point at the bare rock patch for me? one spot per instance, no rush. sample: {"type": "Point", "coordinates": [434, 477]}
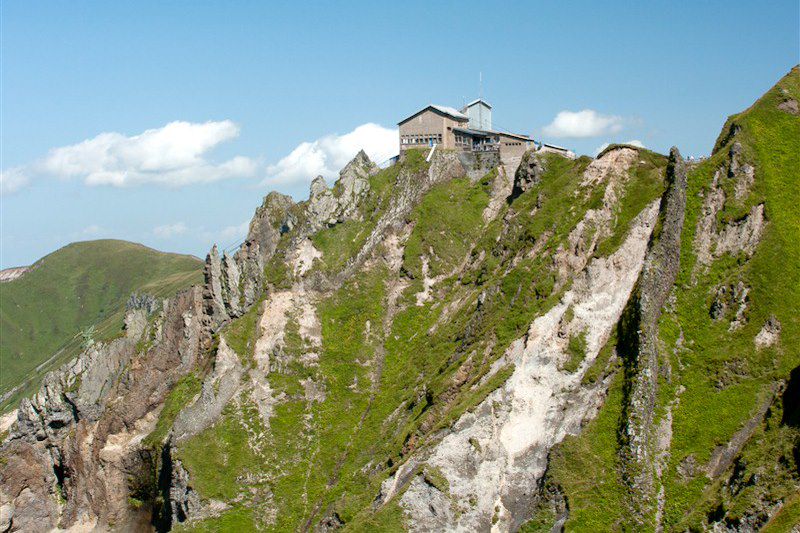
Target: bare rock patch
{"type": "Point", "coordinates": [769, 334]}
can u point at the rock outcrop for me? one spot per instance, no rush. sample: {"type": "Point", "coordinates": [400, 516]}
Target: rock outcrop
{"type": "Point", "coordinates": [327, 207]}
{"type": "Point", "coordinates": [451, 344]}
{"type": "Point", "coordinates": [529, 173]}
{"type": "Point", "coordinates": [82, 431]}
{"type": "Point", "coordinates": [495, 456]}
{"type": "Point", "coordinates": [743, 235]}
{"type": "Point", "coordinates": [641, 345]}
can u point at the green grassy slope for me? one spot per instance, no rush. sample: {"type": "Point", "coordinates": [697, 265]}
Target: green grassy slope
{"type": "Point", "coordinates": [317, 458]}
{"type": "Point", "coordinates": [714, 379]}
{"type": "Point", "coordinates": [83, 284]}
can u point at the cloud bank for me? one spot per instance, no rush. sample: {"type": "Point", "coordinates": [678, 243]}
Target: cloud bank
{"type": "Point", "coordinates": [12, 180]}
{"type": "Point", "coordinates": [173, 155]}
{"type": "Point", "coordinates": [167, 231]}
{"type": "Point", "coordinates": [580, 124]}
{"type": "Point", "coordinates": [176, 155]}
{"type": "Point", "coordinates": [327, 155]}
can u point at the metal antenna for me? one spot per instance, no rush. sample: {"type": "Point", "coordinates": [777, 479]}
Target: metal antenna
{"type": "Point", "coordinates": [480, 85]}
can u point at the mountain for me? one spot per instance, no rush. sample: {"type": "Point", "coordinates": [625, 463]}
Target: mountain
{"type": "Point", "coordinates": [460, 344]}
{"type": "Point", "coordinates": [82, 286]}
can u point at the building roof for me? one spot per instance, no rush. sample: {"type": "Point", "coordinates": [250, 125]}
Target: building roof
{"type": "Point", "coordinates": [488, 133]}
{"type": "Point", "coordinates": [478, 100]}
{"type": "Point", "coordinates": [554, 146]}
{"type": "Point", "coordinates": [474, 133]}
{"type": "Point", "coordinates": [443, 109]}
{"type": "Point", "coordinates": [452, 111]}
{"type": "Point", "coordinates": [515, 135]}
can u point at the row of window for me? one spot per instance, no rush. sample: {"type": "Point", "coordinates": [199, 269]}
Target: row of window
{"type": "Point", "coordinates": [420, 139]}
{"type": "Point", "coordinates": [461, 140]}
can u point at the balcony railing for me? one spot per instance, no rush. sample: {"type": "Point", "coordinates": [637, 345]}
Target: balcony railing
{"type": "Point", "coordinates": [489, 147]}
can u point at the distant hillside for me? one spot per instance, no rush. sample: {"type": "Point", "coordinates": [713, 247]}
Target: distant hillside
{"type": "Point", "coordinates": [68, 291]}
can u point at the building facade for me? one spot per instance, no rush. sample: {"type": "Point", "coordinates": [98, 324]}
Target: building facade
{"type": "Point", "coordinates": [468, 130]}
{"type": "Point", "coordinates": [432, 125]}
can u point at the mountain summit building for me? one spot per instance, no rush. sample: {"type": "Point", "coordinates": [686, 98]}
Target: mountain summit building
{"type": "Point", "coordinates": [468, 130]}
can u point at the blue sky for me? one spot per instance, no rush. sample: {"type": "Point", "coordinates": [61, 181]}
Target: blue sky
{"type": "Point", "coordinates": [166, 122]}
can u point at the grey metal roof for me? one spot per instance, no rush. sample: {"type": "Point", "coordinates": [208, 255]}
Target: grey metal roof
{"type": "Point", "coordinates": [488, 133]}
{"type": "Point", "coordinates": [452, 111]}
{"type": "Point", "coordinates": [472, 103]}
{"type": "Point", "coordinates": [474, 133]}
{"type": "Point", "coordinates": [449, 111]}
{"type": "Point", "coordinates": [557, 147]}
{"type": "Point", "coordinates": [515, 135]}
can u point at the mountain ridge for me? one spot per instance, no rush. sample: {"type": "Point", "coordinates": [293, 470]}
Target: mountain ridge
{"type": "Point", "coordinates": [589, 344]}
{"type": "Point", "coordinates": [80, 285]}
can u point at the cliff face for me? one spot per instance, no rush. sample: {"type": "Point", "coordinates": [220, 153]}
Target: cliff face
{"type": "Point", "coordinates": [589, 344]}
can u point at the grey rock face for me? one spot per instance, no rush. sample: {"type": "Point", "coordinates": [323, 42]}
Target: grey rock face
{"type": "Point", "coordinates": [80, 435]}
{"type": "Point", "coordinates": [640, 344]}
{"type": "Point", "coordinates": [713, 240]}
{"type": "Point", "coordinates": [231, 285]}
{"type": "Point", "coordinates": [76, 390]}
{"type": "Point", "coordinates": [323, 207]}
{"type": "Point", "coordinates": [270, 220]}
{"type": "Point", "coordinates": [430, 507]}
{"type": "Point", "coordinates": [142, 301]}
{"type": "Point", "coordinates": [529, 173]}
{"type": "Point", "coordinates": [769, 334]}
{"type": "Point", "coordinates": [730, 298]}
{"type": "Point", "coordinates": [212, 293]}
{"type": "Point", "coordinates": [218, 388]}
{"type": "Point", "coordinates": [184, 501]}
{"type": "Point", "coordinates": [354, 182]}
{"type": "Point", "coordinates": [477, 164]}
{"type": "Point", "coordinates": [742, 173]}
{"type": "Point", "coordinates": [327, 207]}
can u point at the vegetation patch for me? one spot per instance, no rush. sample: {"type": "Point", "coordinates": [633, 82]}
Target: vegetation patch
{"type": "Point", "coordinates": [240, 334]}
{"type": "Point", "coordinates": [697, 353]}
{"type": "Point", "coordinates": [446, 224]}
{"type": "Point", "coordinates": [219, 457]}
{"type": "Point", "coordinates": [587, 469]}
{"type": "Point", "coordinates": [80, 286]}
{"type": "Point", "coordinates": [576, 351]}
{"type": "Point", "coordinates": [181, 394]}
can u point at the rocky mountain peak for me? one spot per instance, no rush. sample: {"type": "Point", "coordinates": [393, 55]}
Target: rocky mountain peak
{"type": "Point", "coordinates": [613, 348]}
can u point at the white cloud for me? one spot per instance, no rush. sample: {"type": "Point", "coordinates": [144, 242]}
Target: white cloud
{"type": "Point", "coordinates": [327, 155]}
{"type": "Point", "coordinates": [173, 155]}
{"type": "Point", "coordinates": [93, 230]}
{"type": "Point", "coordinates": [168, 231]}
{"type": "Point", "coordinates": [238, 231]}
{"type": "Point", "coordinates": [12, 180]}
{"type": "Point", "coordinates": [634, 142]}
{"type": "Point", "coordinates": [585, 123]}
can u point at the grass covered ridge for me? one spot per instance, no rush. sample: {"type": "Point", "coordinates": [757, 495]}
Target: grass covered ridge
{"type": "Point", "coordinates": [81, 285]}
{"type": "Point", "coordinates": [714, 380]}
{"type": "Point", "coordinates": [389, 383]}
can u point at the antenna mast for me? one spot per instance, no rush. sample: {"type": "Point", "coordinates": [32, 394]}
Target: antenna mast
{"type": "Point", "coordinates": [480, 85]}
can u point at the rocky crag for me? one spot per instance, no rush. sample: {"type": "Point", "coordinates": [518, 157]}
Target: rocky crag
{"type": "Point", "coordinates": [457, 345]}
